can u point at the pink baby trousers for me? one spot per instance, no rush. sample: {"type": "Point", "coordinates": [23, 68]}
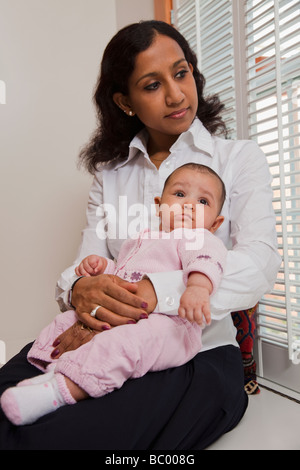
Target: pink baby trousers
{"type": "Point", "coordinates": [157, 343]}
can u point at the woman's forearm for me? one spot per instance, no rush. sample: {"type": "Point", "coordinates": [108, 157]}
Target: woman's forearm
{"type": "Point", "coordinates": [244, 282]}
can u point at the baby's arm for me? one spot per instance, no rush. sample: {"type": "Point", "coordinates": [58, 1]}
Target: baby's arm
{"type": "Point", "coordinates": [194, 302]}
{"type": "Point", "coordinates": [91, 266]}
{"type": "Point", "coordinates": [202, 273]}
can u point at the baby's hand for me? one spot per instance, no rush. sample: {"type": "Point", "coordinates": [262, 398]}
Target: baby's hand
{"type": "Point", "coordinates": [91, 266]}
{"type": "Point", "coordinates": [194, 304]}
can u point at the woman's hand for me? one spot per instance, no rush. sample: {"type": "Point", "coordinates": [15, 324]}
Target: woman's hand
{"type": "Point", "coordinates": [71, 339]}
{"type": "Point", "coordinates": [145, 290]}
{"type": "Point", "coordinates": [121, 303]}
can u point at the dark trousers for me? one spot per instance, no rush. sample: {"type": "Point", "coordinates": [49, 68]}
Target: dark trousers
{"type": "Point", "coordinates": [184, 408]}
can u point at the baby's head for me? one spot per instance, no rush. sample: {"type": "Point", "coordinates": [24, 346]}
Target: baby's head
{"type": "Point", "coordinates": [192, 197]}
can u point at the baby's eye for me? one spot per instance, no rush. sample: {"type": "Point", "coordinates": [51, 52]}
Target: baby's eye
{"type": "Point", "coordinates": [179, 194]}
{"type": "Point", "coordinates": [203, 201]}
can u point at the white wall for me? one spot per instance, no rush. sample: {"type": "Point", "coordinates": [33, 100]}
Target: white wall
{"type": "Point", "coordinates": [50, 51]}
{"type": "Point", "coordinates": [132, 11]}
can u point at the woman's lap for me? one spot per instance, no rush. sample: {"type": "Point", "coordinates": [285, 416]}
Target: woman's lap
{"type": "Point", "coordinates": [184, 408]}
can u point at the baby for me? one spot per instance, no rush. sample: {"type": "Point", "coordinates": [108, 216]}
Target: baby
{"type": "Point", "coordinates": [189, 211]}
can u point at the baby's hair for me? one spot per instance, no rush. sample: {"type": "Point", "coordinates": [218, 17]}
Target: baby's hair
{"type": "Point", "coordinates": [202, 169]}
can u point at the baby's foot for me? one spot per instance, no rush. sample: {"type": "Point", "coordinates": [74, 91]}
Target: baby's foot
{"type": "Point", "coordinates": [24, 405]}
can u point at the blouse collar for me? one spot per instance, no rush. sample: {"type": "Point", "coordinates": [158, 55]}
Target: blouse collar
{"type": "Point", "coordinates": [197, 135]}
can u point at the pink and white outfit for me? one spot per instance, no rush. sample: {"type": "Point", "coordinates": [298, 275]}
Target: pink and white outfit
{"type": "Point", "coordinates": [159, 342]}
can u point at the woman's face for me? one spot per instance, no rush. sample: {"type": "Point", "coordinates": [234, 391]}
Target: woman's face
{"type": "Point", "coordinates": [162, 89]}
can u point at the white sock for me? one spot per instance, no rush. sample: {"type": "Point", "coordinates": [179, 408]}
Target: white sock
{"type": "Point", "coordinates": [38, 379]}
{"type": "Point", "coordinates": [24, 405]}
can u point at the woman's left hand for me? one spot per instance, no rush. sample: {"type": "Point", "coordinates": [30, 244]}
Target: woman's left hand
{"type": "Point", "coordinates": [71, 339]}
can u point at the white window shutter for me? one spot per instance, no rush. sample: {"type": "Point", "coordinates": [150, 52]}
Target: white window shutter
{"type": "Point", "coordinates": [273, 73]}
{"type": "Point", "coordinates": [185, 18]}
{"type": "Point", "coordinates": [249, 53]}
{"type": "Point", "coordinates": [207, 25]}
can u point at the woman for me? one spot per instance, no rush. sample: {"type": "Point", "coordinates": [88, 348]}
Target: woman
{"type": "Point", "coordinates": [150, 101]}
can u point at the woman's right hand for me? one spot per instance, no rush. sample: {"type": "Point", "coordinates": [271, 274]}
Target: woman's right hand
{"type": "Point", "coordinates": [114, 295]}
{"type": "Point", "coordinates": [117, 298]}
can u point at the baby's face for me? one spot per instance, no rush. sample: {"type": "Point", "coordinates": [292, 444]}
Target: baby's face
{"type": "Point", "coordinates": [191, 199]}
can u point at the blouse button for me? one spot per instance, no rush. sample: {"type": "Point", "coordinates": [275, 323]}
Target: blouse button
{"type": "Point", "coordinates": [170, 301]}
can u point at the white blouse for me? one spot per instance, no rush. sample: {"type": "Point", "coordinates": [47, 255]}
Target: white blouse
{"type": "Point", "coordinates": [121, 203]}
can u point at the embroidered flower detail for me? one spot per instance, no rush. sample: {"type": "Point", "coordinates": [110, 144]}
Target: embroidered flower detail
{"type": "Point", "coordinates": [207, 257]}
{"type": "Point", "coordinates": [220, 267]}
{"type": "Point", "coordinates": [136, 276]}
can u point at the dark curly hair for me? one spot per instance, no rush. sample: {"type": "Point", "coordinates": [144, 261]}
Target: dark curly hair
{"type": "Point", "coordinates": [115, 129]}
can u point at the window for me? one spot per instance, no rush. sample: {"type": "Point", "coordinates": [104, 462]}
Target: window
{"type": "Point", "coordinates": [196, 20]}
{"type": "Point", "coordinates": [249, 52]}
{"type": "Point", "coordinates": [273, 68]}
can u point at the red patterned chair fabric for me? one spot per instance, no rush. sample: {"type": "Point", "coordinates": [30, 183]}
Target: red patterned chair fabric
{"type": "Point", "coordinates": [244, 321]}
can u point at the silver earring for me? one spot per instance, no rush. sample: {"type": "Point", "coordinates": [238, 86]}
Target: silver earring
{"type": "Point", "coordinates": [130, 113]}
